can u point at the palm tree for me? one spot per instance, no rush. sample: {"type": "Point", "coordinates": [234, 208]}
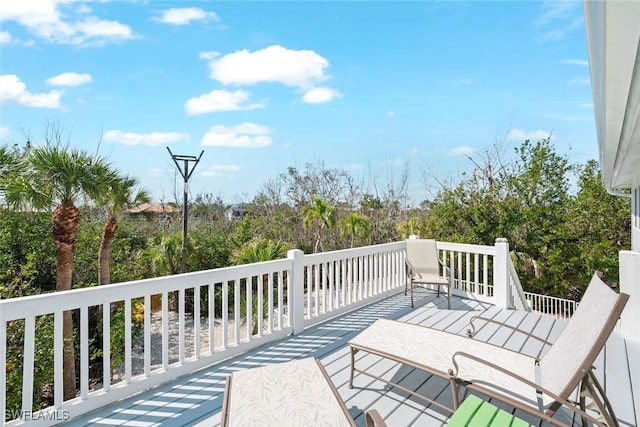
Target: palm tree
{"type": "Point", "coordinates": [409, 227]}
{"type": "Point", "coordinates": [49, 176]}
{"type": "Point", "coordinates": [354, 225]}
{"type": "Point", "coordinates": [123, 195]}
{"type": "Point", "coordinates": [258, 250]}
{"type": "Point", "coordinates": [323, 215]}
{"type": "Point", "coordinates": [165, 254]}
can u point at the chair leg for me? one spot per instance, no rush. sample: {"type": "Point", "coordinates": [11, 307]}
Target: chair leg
{"type": "Point", "coordinates": [591, 389]}
{"type": "Point", "coordinates": [449, 297]}
{"type": "Point", "coordinates": [411, 294]}
{"type": "Point", "coordinates": [353, 366]}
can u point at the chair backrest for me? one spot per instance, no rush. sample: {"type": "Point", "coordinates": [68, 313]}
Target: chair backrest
{"type": "Point", "coordinates": [573, 353]}
{"type": "Point", "coordinates": [423, 256]}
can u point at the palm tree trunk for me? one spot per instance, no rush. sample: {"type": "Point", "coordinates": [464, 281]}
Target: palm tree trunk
{"type": "Point", "coordinates": [63, 277]}
{"type": "Point", "coordinates": [66, 220]}
{"type": "Point", "coordinates": [108, 233]}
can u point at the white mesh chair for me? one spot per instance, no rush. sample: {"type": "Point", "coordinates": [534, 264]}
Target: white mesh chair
{"type": "Point", "coordinates": [538, 385]}
{"type": "Point", "coordinates": [423, 267]}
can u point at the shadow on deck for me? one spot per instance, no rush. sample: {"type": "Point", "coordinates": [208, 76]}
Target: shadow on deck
{"type": "Point", "coordinates": [196, 399]}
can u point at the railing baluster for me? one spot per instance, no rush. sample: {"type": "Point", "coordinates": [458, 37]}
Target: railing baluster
{"type": "Point", "coordinates": [106, 346]}
{"type": "Point", "coordinates": [28, 363]}
{"type": "Point", "coordinates": [485, 274]}
{"type": "Point", "coordinates": [3, 362]}
{"type": "Point", "coordinates": [181, 320]}
{"type": "Point", "coordinates": [58, 349]}
{"type": "Point", "coordinates": [260, 296]}
{"type": "Point", "coordinates": [225, 314]}
{"type": "Point", "coordinates": [165, 331]}
{"type": "Point", "coordinates": [212, 317]}
{"type": "Point", "coordinates": [280, 301]}
{"type": "Point", "coordinates": [84, 352]}
{"type": "Point", "coordinates": [350, 296]}
{"type": "Point", "coordinates": [316, 292]}
{"type": "Point", "coordinates": [343, 282]}
{"type": "Point", "coordinates": [196, 322]}
{"type": "Point", "coordinates": [236, 311]}
{"type": "Point", "coordinates": [330, 283]}
{"type": "Point", "coordinates": [270, 303]}
{"type": "Point", "coordinates": [127, 341]}
{"type": "Point", "coordinates": [147, 335]}
{"type": "Point", "coordinates": [249, 302]}
{"type": "Point", "coordinates": [323, 287]}
{"type": "Point", "coordinates": [467, 274]}
{"type": "Point", "coordinates": [476, 274]}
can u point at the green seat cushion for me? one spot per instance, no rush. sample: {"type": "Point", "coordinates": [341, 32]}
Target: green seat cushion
{"type": "Point", "coordinates": [476, 412]}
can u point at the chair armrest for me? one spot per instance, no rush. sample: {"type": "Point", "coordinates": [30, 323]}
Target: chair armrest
{"type": "Point", "coordinates": [512, 401]}
{"type": "Point", "coordinates": [472, 329]}
{"type": "Point", "coordinates": [373, 419]}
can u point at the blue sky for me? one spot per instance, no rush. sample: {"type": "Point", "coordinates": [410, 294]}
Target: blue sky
{"type": "Point", "coordinates": [259, 86]}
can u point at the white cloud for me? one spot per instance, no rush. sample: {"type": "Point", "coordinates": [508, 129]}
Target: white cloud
{"type": "Point", "coordinates": [581, 80]}
{"type": "Point", "coordinates": [5, 37]}
{"type": "Point", "coordinates": [62, 21]}
{"type": "Point", "coordinates": [554, 10]}
{"type": "Point", "coordinates": [533, 135]}
{"type": "Point", "coordinates": [558, 19]}
{"type": "Point", "coordinates": [70, 79]}
{"type": "Point", "coordinates": [13, 89]}
{"type": "Point", "coordinates": [219, 170]}
{"type": "Point", "coordinates": [153, 138]}
{"type": "Point", "coordinates": [220, 100]}
{"type": "Point", "coordinates": [244, 135]}
{"type": "Point", "coordinates": [320, 95]}
{"type": "Point", "coordinates": [462, 151]}
{"type": "Point", "coordinates": [583, 62]}
{"type": "Point", "coordinates": [4, 132]}
{"type": "Point", "coordinates": [302, 69]}
{"type": "Point", "coordinates": [184, 16]}
{"type": "Point", "coordinates": [390, 114]}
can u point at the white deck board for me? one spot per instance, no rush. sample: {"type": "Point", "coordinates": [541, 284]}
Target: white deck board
{"type": "Point", "coordinates": [196, 399]}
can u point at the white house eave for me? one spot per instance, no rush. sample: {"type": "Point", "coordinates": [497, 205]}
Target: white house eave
{"type": "Point", "coordinates": [613, 38]}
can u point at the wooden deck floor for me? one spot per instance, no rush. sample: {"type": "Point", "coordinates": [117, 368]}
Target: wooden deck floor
{"type": "Point", "coordinates": [196, 399]}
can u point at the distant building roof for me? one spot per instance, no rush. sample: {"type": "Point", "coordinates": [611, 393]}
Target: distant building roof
{"type": "Point", "coordinates": [156, 208]}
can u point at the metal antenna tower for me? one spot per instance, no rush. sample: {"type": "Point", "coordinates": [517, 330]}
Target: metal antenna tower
{"type": "Point", "coordinates": [186, 174]}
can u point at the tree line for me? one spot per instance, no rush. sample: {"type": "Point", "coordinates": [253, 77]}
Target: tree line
{"type": "Point", "coordinates": [560, 222]}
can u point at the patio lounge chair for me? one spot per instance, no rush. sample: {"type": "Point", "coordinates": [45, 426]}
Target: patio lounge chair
{"type": "Point", "coordinates": [423, 267]}
{"type": "Point", "coordinates": [538, 385]}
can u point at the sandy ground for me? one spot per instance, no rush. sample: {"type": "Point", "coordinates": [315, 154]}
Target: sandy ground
{"type": "Point", "coordinates": [156, 341]}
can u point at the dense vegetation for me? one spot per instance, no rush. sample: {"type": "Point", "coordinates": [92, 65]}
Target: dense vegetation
{"type": "Point", "coordinates": [560, 223]}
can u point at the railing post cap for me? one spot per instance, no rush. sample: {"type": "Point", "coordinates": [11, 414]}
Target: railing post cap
{"type": "Point", "coordinates": [501, 240]}
{"type": "Point", "coordinates": [294, 252]}
{"type": "Point", "coordinates": [414, 237]}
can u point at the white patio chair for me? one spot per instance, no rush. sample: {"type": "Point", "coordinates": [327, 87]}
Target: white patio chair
{"type": "Point", "coordinates": [423, 267]}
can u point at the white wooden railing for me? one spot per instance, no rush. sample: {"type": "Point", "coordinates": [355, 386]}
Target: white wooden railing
{"type": "Point", "coordinates": [342, 280]}
{"type": "Point", "coordinates": [232, 310]}
{"type": "Point", "coordinates": [551, 306]}
{"type": "Point", "coordinates": [472, 269]}
{"type": "Point", "coordinates": [220, 313]}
